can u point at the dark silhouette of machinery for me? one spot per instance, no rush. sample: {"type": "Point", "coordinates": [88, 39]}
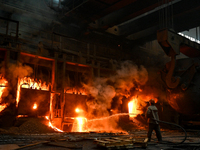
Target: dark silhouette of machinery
{"type": "Point", "coordinates": [181, 76]}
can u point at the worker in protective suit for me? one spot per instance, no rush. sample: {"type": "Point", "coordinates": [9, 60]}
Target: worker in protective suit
{"type": "Point", "coordinates": [151, 114]}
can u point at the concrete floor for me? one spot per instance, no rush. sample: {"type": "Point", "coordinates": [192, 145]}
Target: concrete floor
{"type": "Point", "coordinates": [85, 141]}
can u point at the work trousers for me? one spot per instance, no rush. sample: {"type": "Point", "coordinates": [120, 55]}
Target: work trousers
{"type": "Point", "coordinates": [155, 127]}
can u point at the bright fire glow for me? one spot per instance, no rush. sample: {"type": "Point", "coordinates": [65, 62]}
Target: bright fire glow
{"type": "Point", "coordinates": [2, 107]}
{"type": "Point", "coordinates": [77, 110]}
{"type": "Point", "coordinates": [3, 87]}
{"type": "Point", "coordinates": [19, 116]}
{"type": "Point", "coordinates": [80, 122]}
{"type": "Point", "coordinates": [53, 127]}
{"type": "Point", "coordinates": [133, 108]}
{"type": "Point", "coordinates": [35, 106]}
{"type": "Point", "coordinates": [29, 83]}
{"type": "Point", "coordinates": [80, 125]}
{"type": "Point", "coordinates": [74, 91]}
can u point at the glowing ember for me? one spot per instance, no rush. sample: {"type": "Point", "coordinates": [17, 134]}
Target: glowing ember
{"type": "Point", "coordinates": [35, 106]}
{"type": "Point", "coordinates": [53, 127]}
{"type": "Point", "coordinates": [133, 108]}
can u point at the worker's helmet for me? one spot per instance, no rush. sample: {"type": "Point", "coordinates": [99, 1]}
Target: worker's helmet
{"type": "Point", "coordinates": [152, 101]}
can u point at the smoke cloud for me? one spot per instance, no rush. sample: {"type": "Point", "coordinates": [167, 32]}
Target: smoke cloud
{"type": "Point", "coordinates": [128, 76]}
{"type": "Point", "coordinates": [12, 74]}
{"type": "Point", "coordinates": [103, 90]}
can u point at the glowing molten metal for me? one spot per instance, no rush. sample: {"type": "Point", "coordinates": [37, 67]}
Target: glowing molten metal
{"type": "Point", "coordinates": [79, 125]}
{"type": "Point", "coordinates": [53, 127]}
{"type": "Point", "coordinates": [133, 108]}
{"type": "Point", "coordinates": [35, 106]}
{"type": "Point", "coordinates": [80, 121]}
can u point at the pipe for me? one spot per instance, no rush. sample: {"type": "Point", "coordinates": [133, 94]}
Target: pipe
{"type": "Point", "coordinates": [177, 126]}
{"type": "Point", "coordinates": [122, 114]}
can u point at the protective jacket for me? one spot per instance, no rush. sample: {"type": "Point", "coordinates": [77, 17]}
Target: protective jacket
{"type": "Point", "coordinates": [151, 114]}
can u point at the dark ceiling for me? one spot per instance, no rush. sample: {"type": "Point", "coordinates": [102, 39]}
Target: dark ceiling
{"type": "Point", "coordinates": [133, 19]}
{"type": "Point", "coordinates": [125, 21]}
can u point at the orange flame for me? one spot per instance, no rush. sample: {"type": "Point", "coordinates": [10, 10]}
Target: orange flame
{"type": "Point", "coordinates": [27, 83]}
{"type": "Point", "coordinates": [18, 92]}
{"type": "Point", "coordinates": [2, 107]}
{"type": "Point", "coordinates": [133, 106]}
{"type": "Point", "coordinates": [35, 106]}
{"type": "Point", "coordinates": [74, 91]}
{"type": "Point", "coordinates": [3, 83]}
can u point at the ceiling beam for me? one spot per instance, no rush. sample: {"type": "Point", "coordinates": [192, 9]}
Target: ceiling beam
{"type": "Point", "coordinates": [145, 20]}
{"type": "Point", "coordinates": [114, 7]}
{"type": "Point", "coordinates": [126, 13]}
